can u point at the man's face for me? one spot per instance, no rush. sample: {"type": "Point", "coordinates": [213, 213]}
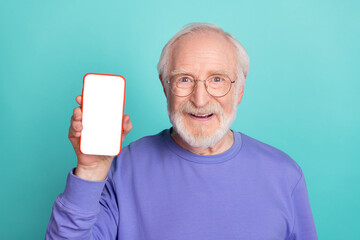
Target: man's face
{"type": "Point", "coordinates": [201, 119]}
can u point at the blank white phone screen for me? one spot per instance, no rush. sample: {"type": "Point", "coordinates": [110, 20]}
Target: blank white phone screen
{"type": "Point", "coordinates": [102, 107]}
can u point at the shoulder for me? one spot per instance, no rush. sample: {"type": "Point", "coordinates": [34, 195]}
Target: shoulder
{"type": "Point", "coordinates": [270, 158]}
{"type": "Point", "coordinates": [139, 150]}
{"type": "Point", "coordinates": [147, 142]}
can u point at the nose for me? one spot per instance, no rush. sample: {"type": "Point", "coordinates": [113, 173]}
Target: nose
{"type": "Point", "coordinates": [200, 97]}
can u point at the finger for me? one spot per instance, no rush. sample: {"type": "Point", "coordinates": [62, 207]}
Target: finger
{"type": "Point", "coordinates": [77, 126]}
{"type": "Point", "coordinates": [73, 133]}
{"type": "Point", "coordinates": [78, 99]}
{"type": "Point", "coordinates": [127, 125]}
{"type": "Point", "coordinates": [77, 114]}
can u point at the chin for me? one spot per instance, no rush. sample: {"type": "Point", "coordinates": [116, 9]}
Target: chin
{"type": "Point", "coordinates": [198, 135]}
{"type": "Point", "coordinates": [198, 129]}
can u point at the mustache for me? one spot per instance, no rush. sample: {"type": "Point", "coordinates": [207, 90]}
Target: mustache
{"type": "Point", "coordinates": [189, 107]}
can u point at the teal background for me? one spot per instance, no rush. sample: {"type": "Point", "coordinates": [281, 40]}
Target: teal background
{"type": "Point", "coordinates": [301, 95]}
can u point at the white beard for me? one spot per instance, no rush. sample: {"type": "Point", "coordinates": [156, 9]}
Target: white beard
{"type": "Point", "coordinates": [201, 139]}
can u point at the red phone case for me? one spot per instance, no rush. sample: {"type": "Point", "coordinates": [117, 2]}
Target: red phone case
{"type": "Point", "coordinates": [123, 107]}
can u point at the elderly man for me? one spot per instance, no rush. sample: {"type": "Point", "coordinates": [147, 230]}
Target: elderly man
{"type": "Point", "coordinates": [198, 180]}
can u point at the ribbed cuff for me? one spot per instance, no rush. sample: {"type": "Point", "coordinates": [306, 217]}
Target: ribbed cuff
{"type": "Point", "coordinates": [82, 194]}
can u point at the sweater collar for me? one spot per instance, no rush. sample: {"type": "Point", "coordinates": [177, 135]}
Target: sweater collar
{"type": "Point", "coordinates": [204, 159]}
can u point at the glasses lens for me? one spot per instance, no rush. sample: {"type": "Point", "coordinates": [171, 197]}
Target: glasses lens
{"type": "Point", "coordinates": [218, 86]}
{"type": "Point", "coordinates": [182, 85]}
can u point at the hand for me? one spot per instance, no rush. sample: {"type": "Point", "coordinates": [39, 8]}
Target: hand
{"type": "Point", "coordinates": [91, 167]}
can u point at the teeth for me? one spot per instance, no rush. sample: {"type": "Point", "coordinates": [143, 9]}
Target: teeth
{"type": "Point", "coordinates": [203, 115]}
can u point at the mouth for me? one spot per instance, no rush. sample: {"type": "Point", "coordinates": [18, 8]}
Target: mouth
{"type": "Point", "coordinates": [201, 117]}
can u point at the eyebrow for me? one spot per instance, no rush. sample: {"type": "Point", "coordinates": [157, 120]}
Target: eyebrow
{"type": "Point", "coordinates": [184, 72]}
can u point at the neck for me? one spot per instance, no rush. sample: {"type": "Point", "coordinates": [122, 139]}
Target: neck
{"type": "Point", "coordinates": [222, 146]}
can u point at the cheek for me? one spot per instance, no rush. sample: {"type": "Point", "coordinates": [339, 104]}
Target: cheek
{"type": "Point", "coordinates": [175, 104]}
{"type": "Point", "coordinates": [227, 106]}
{"type": "Point", "coordinates": [229, 103]}
{"type": "Point", "coordinates": [229, 109]}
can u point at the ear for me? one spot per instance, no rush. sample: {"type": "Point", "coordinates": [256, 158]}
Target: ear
{"type": "Point", "coordinates": [162, 83]}
{"type": "Point", "coordinates": [241, 92]}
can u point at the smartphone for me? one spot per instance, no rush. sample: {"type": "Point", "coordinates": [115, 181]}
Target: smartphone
{"type": "Point", "coordinates": [103, 100]}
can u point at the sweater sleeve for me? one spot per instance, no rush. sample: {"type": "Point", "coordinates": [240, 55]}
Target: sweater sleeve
{"type": "Point", "coordinates": [86, 210]}
{"type": "Point", "coordinates": [304, 227]}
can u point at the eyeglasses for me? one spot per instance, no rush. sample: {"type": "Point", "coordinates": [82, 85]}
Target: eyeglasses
{"type": "Point", "coordinates": [215, 85]}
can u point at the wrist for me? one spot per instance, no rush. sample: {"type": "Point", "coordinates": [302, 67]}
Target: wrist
{"type": "Point", "coordinates": [92, 173]}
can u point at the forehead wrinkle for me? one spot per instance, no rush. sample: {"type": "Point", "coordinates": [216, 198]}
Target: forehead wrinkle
{"type": "Point", "coordinates": [203, 56]}
{"type": "Point", "coordinates": [207, 58]}
{"type": "Point", "coordinates": [177, 72]}
{"type": "Point", "coordinates": [196, 63]}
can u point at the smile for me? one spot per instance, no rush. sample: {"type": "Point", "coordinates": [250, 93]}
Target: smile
{"type": "Point", "coordinates": [201, 117]}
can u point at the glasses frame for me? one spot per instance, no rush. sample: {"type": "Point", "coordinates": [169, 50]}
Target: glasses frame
{"type": "Point", "coordinates": [205, 85]}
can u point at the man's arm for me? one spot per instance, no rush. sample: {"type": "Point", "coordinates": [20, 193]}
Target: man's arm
{"type": "Point", "coordinates": [88, 207]}
{"type": "Point", "coordinates": [304, 227]}
{"type": "Point", "coordinates": [86, 210]}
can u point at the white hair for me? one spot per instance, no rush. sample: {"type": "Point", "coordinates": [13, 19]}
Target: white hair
{"type": "Point", "coordinates": [201, 138]}
{"type": "Point", "coordinates": [243, 63]}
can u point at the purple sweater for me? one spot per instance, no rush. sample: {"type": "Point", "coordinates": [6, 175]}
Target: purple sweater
{"type": "Point", "coordinates": [156, 190]}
